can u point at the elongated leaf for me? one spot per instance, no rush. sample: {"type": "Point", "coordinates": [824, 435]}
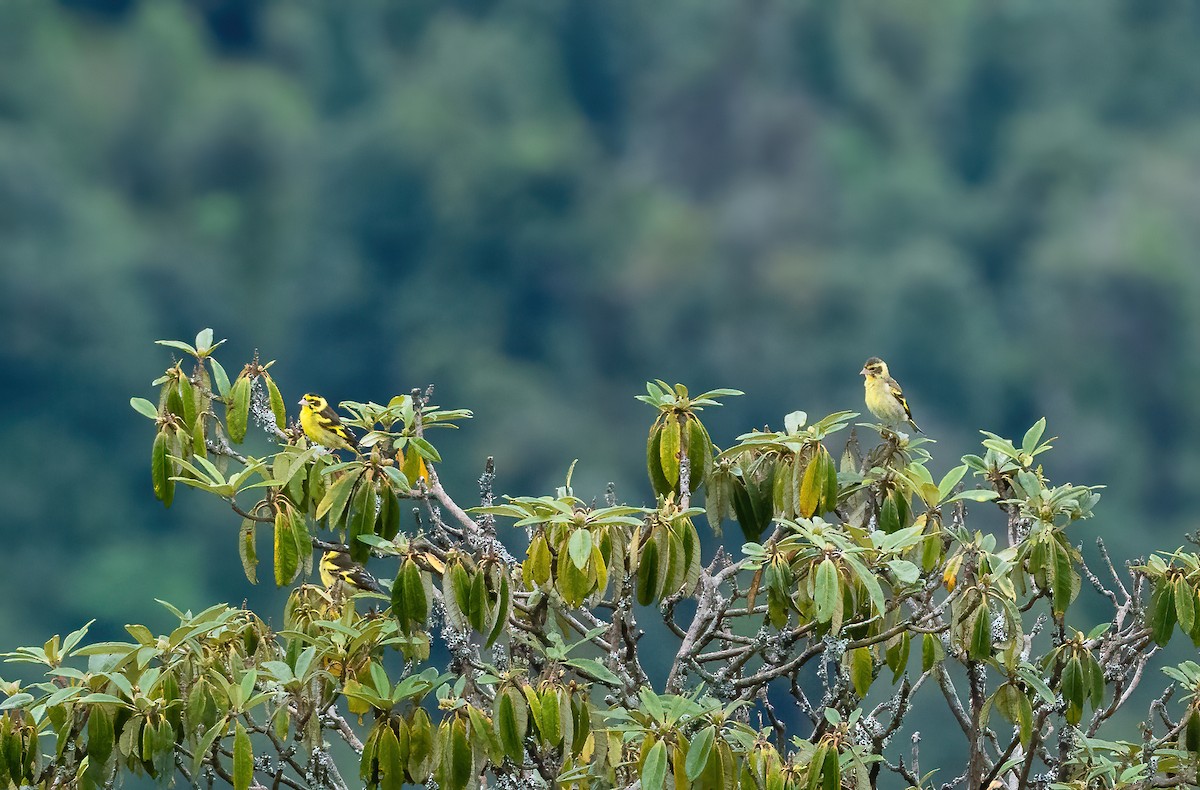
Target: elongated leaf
{"type": "Point", "coordinates": [161, 469]}
{"type": "Point", "coordinates": [698, 752]}
{"type": "Point", "coordinates": [1063, 583]}
{"type": "Point", "coordinates": [1033, 436]}
{"type": "Point", "coordinates": [360, 519]}
{"type": "Point", "coordinates": [946, 487]}
{"type": "Point", "coordinates": [974, 495]}
{"type": "Point", "coordinates": [829, 497]}
{"type": "Point", "coordinates": [551, 718]}
{"type": "Point", "coordinates": [501, 610]}
{"type": "Point", "coordinates": [101, 738]}
{"type": "Point", "coordinates": [388, 525]}
{"type": "Point", "coordinates": [243, 759]}
{"type": "Point", "coordinates": [413, 603]}
{"type": "Point", "coordinates": [391, 766]}
{"type": "Point", "coordinates": [144, 407]}
{"type": "Point", "coordinates": [333, 504]}
{"type": "Point", "coordinates": [220, 377]}
{"type": "Point", "coordinates": [508, 728]}
{"type": "Point", "coordinates": [1185, 604]}
{"type": "Point", "coordinates": [648, 573]}
{"type": "Point", "coordinates": [668, 451]}
{"type": "Point", "coordinates": [932, 652]}
{"type": "Point", "coordinates": [247, 550]}
{"type": "Point", "coordinates": [580, 547]}
{"type": "Point", "coordinates": [811, 488]}
{"type": "Point", "coordinates": [653, 461]}
{"type": "Point", "coordinates": [831, 773]}
{"type": "Point", "coordinates": [237, 413]}
{"type": "Point", "coordinates": [287, 553]}
{"type": "Point", "coordinates": [654, 770]}
{"type": "Point", "coordinates": [187, 398]}
{"type": "Point", "coordinates": [861, 667]}
{"type": "Point", "coordinates": [827, 590]}
{"type": "Point", "coordinates": [278, 410]}
{"type": "Point", "coordinates": [420, 746]}
{"type": "Point", "coordinates": [1162, 612]}
{"type": "Point", "coordinates": [981, 635]}
{"type": "Point", "coordinates": [699, 452]}
{"type": "Point", "coordinates": [460, 758]}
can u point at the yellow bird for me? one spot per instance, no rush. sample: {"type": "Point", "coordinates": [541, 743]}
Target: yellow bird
{"type": "Point", "coordinates": [884, 397]}
{"type": "Point", "coordinates": [323, 426]}
{"type": "Point", "coordinates": [337, 567]}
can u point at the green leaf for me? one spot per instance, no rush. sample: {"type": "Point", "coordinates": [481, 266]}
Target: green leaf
{"type": "Point", "coordinates": [1185, 604]}
{"type": "Point", "coordinates": [247, 550]}
{"type": "Point", "coordinates": [861, 667]}
{"type": "Point", "coordinates": [391, 767]}
{"type": "Point", "coordinates": [654, 770]}
{"type": "Point", "coordinates": [1162, 612]}
{"type": "Point", "coordinates": [287, 553]}
{"type": "Point", "coordinates": [501, 612]}
{"type": "Point", "coordinates": [144, 407]}
{"type": "Point", "coordinates": [889, 515]}
{"type": "Point", "coordinates": [811, 488]}
{"type": "Point", "coordinates": [668, 450]}
{"type": "Point", "coordinates": [389, 512]}
{"type": "Point", "coordinates": [508, 727]}
{"type": "Point", "coordinates": [333, 504]}
{"type": "Point", "coordinates": [827, 590]}
{"type": "Point", "coordinates": [974, 495]}
{"type": "Point", "coordinates": [1033, 436]}
{"type": "Point", "coordinates": [794, 421]}
{"type": "Point", "coordinates": [1063, 581]}
{"type": "Point", "coordinates": [237, 413]}
{"type": "Point", "coordinates": [161, 469]}
{"type": "Point", "coordinates": [425, 449]}
{"type": "Point", "coordinates": [831, 773]}
{"type": "Point", "coordinates": [867, 578]}
{"type": "Point", "coordinates": [653, 462]}
{"type": "Point", "coordinates": [409, 601]}
{"type": "Point", "coordinates": [698, 752]}
{"type": "Point", "coordinates": [594, 668]}
{"type": "Point", "coordinates": [932, 652]}
{"type": "Point", "coordinates": [101, 738]}
{"type": "Point", "coordinates": [829, 497]}
{"type": "Point", "coordinates": [981, 635]}
{"type": "Point", "coordinates": [648, 573]}
{"type": "Point", "coordinates": [580, 547]}
{"type": "Point", "coordinates": [699, 452]}
{"type": "Point", "coordinates": [276, 400]}
{"type": "Point", "coordinates": [220, 377]}
{"type": "Point", "coordinates": [243, 759]}
{"type": "Point", "coordinates": [460, 756]}
{"type": "Point", "coordinates": [204, 339]}
{"type": "Point", "coordinates": [950, 481]}
{"type": "Point", "coordinates": [177, 344]}
{"type": "Point", "coordinates": [361, 519]}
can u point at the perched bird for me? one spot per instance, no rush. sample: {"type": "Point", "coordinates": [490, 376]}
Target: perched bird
{"type": "Point", "coordinates": [322, 425]}
{"type": "Point", "coordinates": [885, 399]}
{"type": "Point", "coordinates": [337, 568]}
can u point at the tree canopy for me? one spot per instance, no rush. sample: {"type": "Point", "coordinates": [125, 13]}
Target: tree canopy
{"type": "Point", "coordinates": [863, 585]}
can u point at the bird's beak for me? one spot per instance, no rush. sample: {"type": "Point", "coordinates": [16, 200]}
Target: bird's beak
{"type": "Point", "coordinates": [300, 402]}
{"type": "Point", "coordinates": [864, 372]}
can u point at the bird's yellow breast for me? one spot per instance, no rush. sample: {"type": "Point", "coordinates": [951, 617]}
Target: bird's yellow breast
{"type": "Point", "coordinates": [881, 402]}
{"type": "Point", "coordinates": [309, 422]}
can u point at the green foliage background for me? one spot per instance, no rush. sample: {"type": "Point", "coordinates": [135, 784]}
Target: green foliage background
{"type": "Point", "coordinates": [540, 205]}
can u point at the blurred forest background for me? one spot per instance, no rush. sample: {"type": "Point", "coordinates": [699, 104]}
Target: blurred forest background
{"type": "Point", "coordinates": [539, 204]}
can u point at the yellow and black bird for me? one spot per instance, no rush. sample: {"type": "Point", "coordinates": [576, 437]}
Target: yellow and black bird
{"type": "Point", "coordinates": [337, 568]}
{"type": "Point", "coordinates": [884, 397]}
{"type": "Point", "coordinates": [323, 426]}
